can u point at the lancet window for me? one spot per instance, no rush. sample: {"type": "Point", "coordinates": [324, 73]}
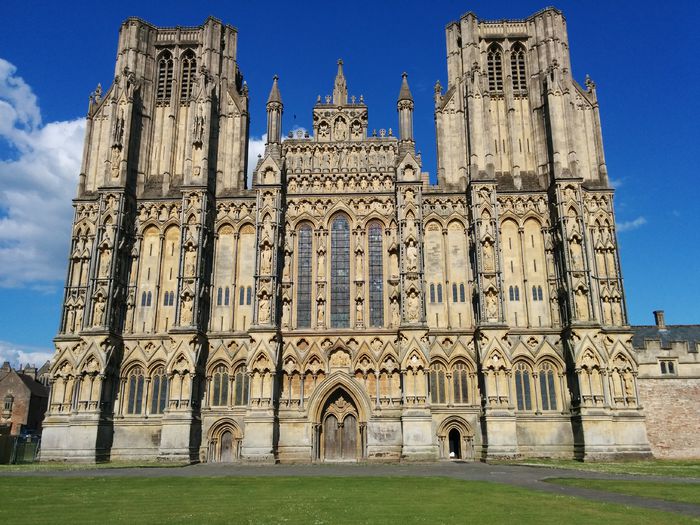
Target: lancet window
{"type": "Point", "coordinates": [517, 68]}
{"type": "Point", "coordinates": [304, 276]}
{"type": "Point", "coordinates": [240, 386]}
{"type": "Point", "coordinates": [159, 390]}
{"type": "Point", "coordinates": [165, 77]}
{"type": "Point", "coordinates": [219, 389]}
{"type": "Point", "coordinates": [437, 384]}
{"type": "Point", "coordinates": [376, 279]}
{"type": "Point", "coordinates": [460, 384]}
{"type": "Point", "coordinates": [135, 384]}
{"type": "Point", "coordinates": [494, 66]}
{"type": "Point", "coordinates": [189, 72]}
{"type": "Point", "coordinates": [523, 390]}
{"type": "Point", "coordinates": [548, 391]}
{"type": "Point", "coordinates": [340, 273]}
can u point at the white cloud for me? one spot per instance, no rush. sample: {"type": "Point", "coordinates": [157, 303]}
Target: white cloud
{"type": "Point", "coordinates": [21, 355]}
{"type": "Point", "coordinates": [36, 187]}
{"type": "Point", "coordinates": [626, 226]}
{"type": "Point", "coordinates": [615, 183]}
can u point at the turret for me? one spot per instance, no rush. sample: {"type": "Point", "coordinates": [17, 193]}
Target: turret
{"type": "Point", "coordinates": [274, 114]}
{"type": "Point", "coordinates": [405, 108]}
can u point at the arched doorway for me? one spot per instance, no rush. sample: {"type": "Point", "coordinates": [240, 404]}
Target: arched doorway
{"type": "Point", "coordinates": [456, 439]}
{"type": "Point", "coordinates": [455, 443]}
{"type": "Point", "coordinates": [339, 427]}
{"type": "Point", "coordinates": [224, 442]}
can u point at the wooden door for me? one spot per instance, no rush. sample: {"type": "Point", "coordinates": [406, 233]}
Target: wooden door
{"type": "Point", "coordinates": [226, 455]}
{"type": "Point", "coordinates": [349, 437]}
{"type": "Point", "coordinates": [332, 440]}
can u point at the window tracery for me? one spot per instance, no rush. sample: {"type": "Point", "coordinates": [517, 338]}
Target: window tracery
{"type": "Point", "coordinates": [219, 389]}
{"type": "Point", "coordinates": [376, 276]}
{"type": "Point", "coordinates": [548, 393]}
{"type": "Point", "coordinates": [165, 77]}
{"type": "Point", "coordinates": [135, 384]}
{"type": "Point", "coordinates": [188, 74]}
{"type": "Point", "coordinates": [340, 273]}
{"type": "Point", "coordinates": [159, 390]}
{"type": "Point", "coordinates": [304, 276]}
{"type": "Point", "coordinates": [494, 66]}
{"type": "Point", "coordinates": [517, 68]}
{"type": "Point", "coordinates": [523, 391]}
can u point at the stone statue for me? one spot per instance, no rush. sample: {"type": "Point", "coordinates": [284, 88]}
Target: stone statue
{"type": "Point", "coordinates": [412, 257]}
{"type": "Point", "coordinates": [488, 257]}
{"type": "Point", "coordinates": [320, 313]}
{"type": "Point", "coordinates": [286, 313]}
{"type": "Point", "coordinates": [395, 313]}
{"type": "Point", "coordinates": [359, 312]}
{"type": "Point", "coordinates": [413, 307]}
{"type": "Point", "coordinates": [99, 312]}
{"type": "Point", "coordinates": [321, 265]}
{"type": "Point", "coordinates": [266, 260]}
{"type": "Point", "coordinates": [287, 266]}
{"type": "Point", "coordinates": [491, 306]}
{"type": "Point", "coordinates": [190, 261]}
{"type": "Point", "coordinates": [186, 316]}
{"type": "Point", "coordinates": [104, 263]}
{"type": "Point", "coordinates": [264, 315]}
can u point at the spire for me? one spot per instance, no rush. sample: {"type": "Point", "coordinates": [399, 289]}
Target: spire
{"type": "Point", "coordinates": [405, 93]}
{"type": "Point", "coordinates": [340, 88]}
{"type": "Point", "coordinates": [274, 92]}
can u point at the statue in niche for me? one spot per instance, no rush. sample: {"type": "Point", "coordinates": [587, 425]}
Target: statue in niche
{"type": "Point", "coordinates": [408, 173]}
{"type": "Point", "coordinates": [320, 311]}
{"type": "Point", "coordinates": [395, 313]}
{"type": "Point", "coordinates": [321, 265]}
{"type": "Point", "coordinates": [341, 130]}
{"type": "Point", "coordinates": [267, 228]}
{"type": "Point", "coordinates": [266, 260]}
{"type": "Point", "coordinates": [576, 259]}
{"type": "Point", "coordinates": [325, 160]}
{"type": "Point", "coordinates": [104, 263]}
{"type": "Point", "coordinates": [198, 130]}
{"type": "Point", "coordinates": [287, 266]}
{"type": "Point", "coordinates": [359, 311]}
{"type": "Point", "coordinates": [356, 129]}
{"type": "Point", "coordinates": [78, 319]}
{"type": "Point", "coordinates": [186, 316]}
{"type": "Point", "coordinates": [115, 161]}
{"type": "Point", "coordinates": [264, 315]}
{"type": "Point", "coordinates": [190, 261]}
{"type": "Point", "coordinates": [410, 227]}
{"type": "Point", "coordinates": [359, 266]}
{"type": "Point", "coordinates": [581, 304]}
{"type": "Point", "coordinates": [491, 306]}
{"type": "Point", "coordinates": [413, 307]}
{"type": "Point", "coordinates": [408, 198]}
{"type": "Point", "coordinates": [412, 256]}
{"type": "Point", "coordinates": [98, 317]}
{"type": "Point", "coordinates": [488, 257]}
{"type": "Point", "coordinates": [118, 131]}
{"type": "Point", "coordinates": [286, 313]}
{"type": "Point", "coordinates": [628, 381]}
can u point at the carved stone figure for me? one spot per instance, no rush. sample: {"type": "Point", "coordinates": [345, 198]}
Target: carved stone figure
{"type": "Point", "coordinates": [413, 307]}
{"type": "Point", "coordinates": [264, 315]}
{"type": "Point", "coordinates": [411, 257]}
{"type": "Point", "coordinates": [266, 260]}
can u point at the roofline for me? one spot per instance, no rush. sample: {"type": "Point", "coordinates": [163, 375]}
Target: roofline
{"type": "Point", "coordinates": [509, 20]}
{"type": "Point", "coordinates": [170, 28]}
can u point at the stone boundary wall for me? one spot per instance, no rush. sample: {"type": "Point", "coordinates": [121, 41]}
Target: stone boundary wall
{"type": "Point", "coordinates": [672, 409]}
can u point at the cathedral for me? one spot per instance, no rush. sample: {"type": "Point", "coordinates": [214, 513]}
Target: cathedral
{"type": "Point", "coordinates": [341, 307]}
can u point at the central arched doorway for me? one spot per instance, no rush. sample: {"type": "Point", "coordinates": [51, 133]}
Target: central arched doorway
{"type": "Point", "coordinates": [340, 433]}
{"type": "Point", "coordinates": [224, 442]}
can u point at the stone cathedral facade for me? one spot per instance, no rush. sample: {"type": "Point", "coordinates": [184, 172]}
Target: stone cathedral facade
{"type": "Point", "coordinates": [343, 308]}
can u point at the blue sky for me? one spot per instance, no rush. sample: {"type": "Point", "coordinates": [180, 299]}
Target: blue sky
{"type": "Point", "coordinates": [642, 55]}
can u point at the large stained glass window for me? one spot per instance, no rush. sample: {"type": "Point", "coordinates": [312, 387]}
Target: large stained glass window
{"type": "Point", "coordinates": [376, 276]}
{"type": "Point", "coordinates": [305, 260]}
{"type": "Point", "coordinates": [340, 273]}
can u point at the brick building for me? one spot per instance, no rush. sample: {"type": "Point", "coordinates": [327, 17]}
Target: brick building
{"type": "Point", "coordinates": [23, 399]}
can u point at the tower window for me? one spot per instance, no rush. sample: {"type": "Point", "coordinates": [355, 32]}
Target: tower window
{"type": "Point", "coordinates": [517, 68]}
{"type": "Point", "coordinates": [494, 66]}
{"type": "Point", "coordinates": [164, 89]}
{"type": "Point", "coordinates": [189, 71]}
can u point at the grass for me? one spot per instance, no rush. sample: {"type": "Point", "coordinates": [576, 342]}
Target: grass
{"type": "Point", "coordinates": [61, 466]}
{"type": "Point", "coordinates": [650, 467]}
{"type": "Point", "coordinates": [681, 492]}
{"type": "Point", "coordinates": [308, 500]}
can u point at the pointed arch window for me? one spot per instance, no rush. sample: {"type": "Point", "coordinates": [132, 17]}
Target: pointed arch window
{"type": "Point", "coordinates": [241, 296]}
{"type": "Point", "coordinates": [523, 391]}
{"type": "Point", "coordinates": [240, 386]}
{"type": "Point", "coordinates": [437, 384]}
{"type": "Point", "coordinates": [227, 296]}
{"type": "Point", "coordinates": [462, 294]}
{"type": "Point", "coordinates": [517, 68]}
{"type": "Point", "coordinates": [164, 89]}
{"type": "Point", "coordinates": [219, 296]}
{"type": "Point", "coordinates": [188, 75]}
{"type": "Point", "coordinates": [159, 390]}
{"type": "Point", "coordinates": [135, 383]}
{"type": "Point", "coordinates": [304, 275]}
{"type": "Point", "coordinates": [219, 389]}
{"type": "Point", "coordinates": [494, 67]}
{"type": "Point", "coordinates": [340, 273]}
{"type": "Point", "coordinates": [376, 276]}
{"type": "Point", "coordinates": [432, 292]}
{"type": "Point", "coordinates": [460, 384]}
{"type": "Point", "coordinates": [548, 391]}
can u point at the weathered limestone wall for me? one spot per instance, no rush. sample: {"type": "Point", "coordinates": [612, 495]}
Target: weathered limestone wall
{"type": "Point", "coordinates": [672, 408]}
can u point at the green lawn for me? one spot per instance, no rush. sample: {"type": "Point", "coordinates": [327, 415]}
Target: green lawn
{"type": "Point", "coordinates": [299, 500]}
{"type": "Point", "coordinates": [651, 467]}
{"type": "Point", "coordinates": [683, 492]}
{"type": "Point", "coordinates": [59, 466]}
